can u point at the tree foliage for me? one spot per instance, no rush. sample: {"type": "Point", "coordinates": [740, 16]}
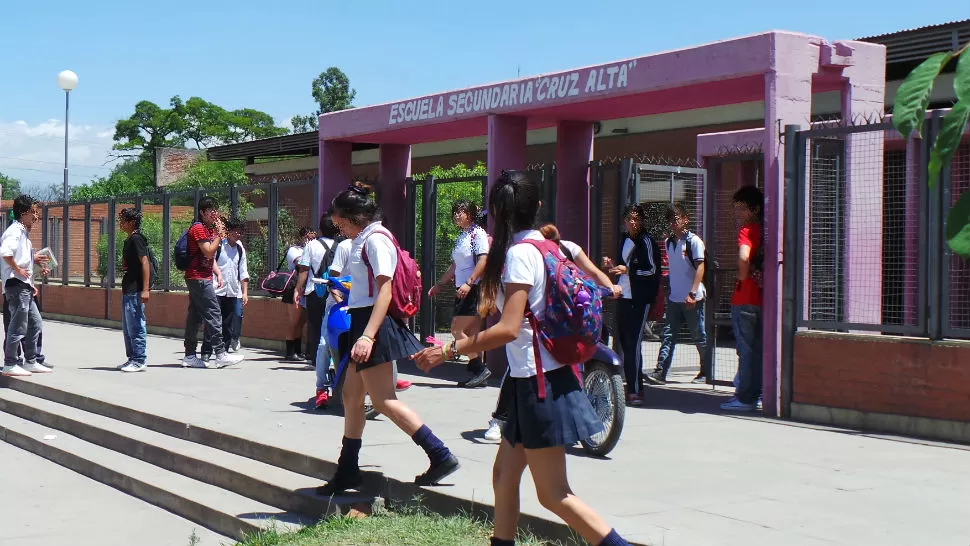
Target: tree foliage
{"type": "Point", "coordinates": [11, 186]}
{"type": "Point", "coordinates": [332, 92]}
{"type": "Point", "coordinates": [909, 111]}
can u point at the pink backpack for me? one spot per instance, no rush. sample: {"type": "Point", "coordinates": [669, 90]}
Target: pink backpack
{"type": "Point", "coordinates": [406, 287]}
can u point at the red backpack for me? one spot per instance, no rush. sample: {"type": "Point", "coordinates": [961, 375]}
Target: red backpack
{"type": "Point", "coordinates": [406, 287]}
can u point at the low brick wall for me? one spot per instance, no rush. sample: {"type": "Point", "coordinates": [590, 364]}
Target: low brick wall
{"type": "Point", "coordinates": [265, 318]}
{"type": "Point", "coordinates": [883, 375]}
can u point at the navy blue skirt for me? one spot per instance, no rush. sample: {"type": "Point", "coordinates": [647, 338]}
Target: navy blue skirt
{"type": "Point", "coordinates": [394, 341]}
{"type": "Point", "coordinates": [563, 418]}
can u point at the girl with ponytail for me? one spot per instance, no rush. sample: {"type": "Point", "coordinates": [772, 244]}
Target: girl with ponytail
{"type": "Point", "coordinates": [538, 429]}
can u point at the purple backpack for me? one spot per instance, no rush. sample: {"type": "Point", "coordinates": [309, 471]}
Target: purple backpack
{"type": "Point", "coordinates": [573, 320]}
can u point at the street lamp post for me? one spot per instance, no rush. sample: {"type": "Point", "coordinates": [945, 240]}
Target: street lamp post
{"type": "Point", "coordinates": [67, 80]}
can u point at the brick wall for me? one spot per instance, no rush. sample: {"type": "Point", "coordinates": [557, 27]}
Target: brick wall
{"type": "Point", "coordinates": [265, 318]}
{"type": "Point", "coordinates": [882, 374]}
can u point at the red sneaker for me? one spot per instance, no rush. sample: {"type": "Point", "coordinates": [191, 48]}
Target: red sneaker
{"type": "Point", "coordinates": [322, 398]}
{"type": "Point", "coordinates": [402, 385]}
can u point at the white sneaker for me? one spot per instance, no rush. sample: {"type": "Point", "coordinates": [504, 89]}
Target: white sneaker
{"type": "Point", "coordinates": [225, 359]}
{"type": "Point", "coordinates": [36, 367]}
{"type": "Point", "coordinates": [15, 371]}
{"type": "Point", "coordinates": [494, 432]}
{"type": "Point", "coordinates": [193, 362]}
{"type": "Point", "coordinates": [122, 365]}
{"type": "Point", "coordinates": [132, 367]}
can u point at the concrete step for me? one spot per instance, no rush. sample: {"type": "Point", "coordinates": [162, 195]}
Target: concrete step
{"type": "Point", "coordinates": [224, 512]}
{"type": "Point", "coordinates": [268, 454]}
{"type": "Point", "coordinates": [259, 481]}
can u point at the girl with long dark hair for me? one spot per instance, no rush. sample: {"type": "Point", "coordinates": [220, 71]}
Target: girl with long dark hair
{"type": "Point", "coordinates": [538, 429]}
{"type": "Point", "coordinates": [376, 341]}
{"type": "Point", "coordinates": [467, 265]}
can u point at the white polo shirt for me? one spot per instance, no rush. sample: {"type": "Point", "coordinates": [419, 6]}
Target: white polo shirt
{"type": "Point", "coordinates": [313, 254]}
{"type": "Point", "coordinates": [383, 261]}
{"type": "Point", "coordinates": [470, 244]}
{"type": "Point", "coordinates": [16, 242]}
{"type": "Point", "coordinates": [681, 273]}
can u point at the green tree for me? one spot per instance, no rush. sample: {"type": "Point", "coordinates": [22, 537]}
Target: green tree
{"type": "Point", "coordinates": [150, 127]}
{"type": "Point", "coordinates": [11, 186]}
{"type": "Point", "coordinates": [909, 112]}
{"type": "Point", "coordinates": [332, 92]}
{"type": "Point", "coordinates": [211, 174]}
{"type": "Point", "coordinates": [132, 176]}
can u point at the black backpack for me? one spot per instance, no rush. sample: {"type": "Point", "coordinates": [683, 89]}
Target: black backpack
{"type": "Point", "coordinates": [327, 257]}
{"type": "Point", "coordinates": [711, 265]}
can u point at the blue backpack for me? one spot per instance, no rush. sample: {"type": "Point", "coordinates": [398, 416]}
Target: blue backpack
{"type": "Point", "coordinates": [573, 320]}
{"type": "Point", "coordinates": [181, 255]}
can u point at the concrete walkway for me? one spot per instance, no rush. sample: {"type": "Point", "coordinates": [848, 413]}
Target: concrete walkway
{"type": "Point", "coordinates": [684, 474]}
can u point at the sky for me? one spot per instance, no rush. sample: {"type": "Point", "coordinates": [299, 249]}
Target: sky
{"type": "Point", "coordinates": [264, 55]}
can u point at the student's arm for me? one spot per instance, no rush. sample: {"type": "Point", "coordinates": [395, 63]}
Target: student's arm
{"type": "Point", "coordinates": [244, 276]}
{"type": "Point", "coordinates": [588, 267]}
{"type": "Point", "coordinates": [218, 273]}
{"type": "Point", "coordinates": [502, 333]}
{"type": "Point", "coordinates": [362, 349]}
{"type": "Point", "coordinates": [448, 276]}
{"type": "Point", "coordinates": [146, 278]}
{"type": "Point", "coordinates": [744, 253]}
{"type": "Point", "coordinates": [466, 286]}
{"type": "Point", "coordinates": [301, 280]}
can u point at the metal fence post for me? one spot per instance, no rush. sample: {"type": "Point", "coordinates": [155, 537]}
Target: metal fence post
{"type": "Point", "coordinates": [628, 190]}
{"type": "Point", "coordinates": [112, 247]}
{"type": "Point", "coordinates": [791, 264]}
{"type": "Point", "coordinates": [272, 223]}
{"type": "Point", "coordinates": [44, 235]}
{"type": "Point", "coordinates": [938, 285]}
{"type": "Point", "coordinates": [87, 243]}
{"type": "Point", "coordinates": [595, 210]}
{"type": "Point", "coordinates": [233, 201]}
{"type": "Point", "coordinates": [196, 197]}
{"type": "Point", "coordinates": [166, 241]}
{"type": "Point", "coordinates": [410, 201]}
{"type": "Point", "coordinates": [429, 204]}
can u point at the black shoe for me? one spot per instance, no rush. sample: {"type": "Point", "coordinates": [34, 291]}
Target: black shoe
{"type": "Point", "coordinates": [370, 413]}
{"type": "Point", "coordinates": [478, 380]}
{"type": "Point", "coordinates": [292, 357]}
{"type": "Point", "coordinates": [340, 482]}
{"type": "Point", "coordinates": [656, 378]}
{"type": "Point", "coordinates": [438, 472]}
{"type": "Point", "coordinates": [701, 379]}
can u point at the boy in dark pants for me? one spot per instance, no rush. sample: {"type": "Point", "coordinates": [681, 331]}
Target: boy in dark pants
{"type": "Point", "coordinates": [135, 290]}
{"type": "Point", "coordinates": [746, 302]}
{"type": "Point", "coordinates": [234, 292]}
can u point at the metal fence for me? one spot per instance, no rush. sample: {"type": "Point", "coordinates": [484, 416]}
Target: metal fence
{"type": "Point", "coordinates": [87, 242]}
{"type": "Point", "coordinates": [865, 233]}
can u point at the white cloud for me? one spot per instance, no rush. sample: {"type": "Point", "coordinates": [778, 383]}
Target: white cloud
{"type": "Point", "coordinates": [34, 154]}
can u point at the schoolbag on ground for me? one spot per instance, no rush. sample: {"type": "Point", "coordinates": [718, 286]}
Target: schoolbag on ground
{"type": "Point", "coordinates": [405, 285]}
{"type": "Point", "coordinates": [180, 255]}
{"type": "Point", "coordinates": [573, 319]}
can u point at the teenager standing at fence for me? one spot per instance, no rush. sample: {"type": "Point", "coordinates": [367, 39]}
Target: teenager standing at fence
{"type": "Point", "coordinates": [135, 290]}
{"type": "Point", "coordinates": [686, 297]}
{"type": "Point", "coordinates": [746, 301]}
{"type": "Point", "coordinates": [376, 341]}
{"type": "Point", "coordinates": [17, 271]}
{"type": "Point", "coordinates": [233, 293]}
{"type": "Point", "coordinates": [639, 270]}
{"type": "Point", "coordinates": [204, 238]}
{"type": "Point", "coordinates": [313, 263]}
{"type": "Point", "coordinates": [467, 265]}
{"type": "Point", "coordinates": [295, 302]}
{"type": "Point", "coordinates": [539, 427]}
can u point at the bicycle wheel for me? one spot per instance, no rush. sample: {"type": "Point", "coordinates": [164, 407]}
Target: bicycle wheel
{"type": "Point", "coordinates": [605, 392]}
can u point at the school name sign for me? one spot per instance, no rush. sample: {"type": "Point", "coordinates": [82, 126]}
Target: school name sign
{"type": "Point", "coordinates": [536, 91]}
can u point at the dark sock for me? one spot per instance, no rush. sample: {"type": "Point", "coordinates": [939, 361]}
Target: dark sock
{"type": "Point", "coordinates": [475, 365]}
{"type": "Point", "coordinates": [289, 347]}
{"type": "Point", "coordinates": [349, 455]}
{"type": "Point", "coordinates": [614, 539]}
{"type": "Point", "coordinates": [502, 542]}
{"type": "Point", "coordinates": [298, 345]}
{"type": "Point", "coordinates": [435, 448]}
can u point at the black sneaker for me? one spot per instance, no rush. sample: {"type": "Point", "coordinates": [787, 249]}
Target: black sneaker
{"type": "Point", "coordinates": [478, 380]}
{"type": "Point", "coordinates": [701, 379]}
{"type": "Point", "coordinates": [340, 482]}
{"type": "Point", "coordinates": [438, 472]}
{"type": "Point", "coordinates": [656, 378]}
{"type": "Point", "coordinates": [370, 413]}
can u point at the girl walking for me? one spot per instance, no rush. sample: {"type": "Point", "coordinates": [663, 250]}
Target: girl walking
{"type": "Point", "coordinates": [539, 427]}
{"type": "Point", "coordinates": [376, 341]}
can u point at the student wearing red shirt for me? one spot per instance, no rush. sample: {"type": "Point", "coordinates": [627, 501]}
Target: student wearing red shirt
{"type": "Point", "coordinates": [746, 301]}
{"type": "Point", "coordinates": [205, 236]}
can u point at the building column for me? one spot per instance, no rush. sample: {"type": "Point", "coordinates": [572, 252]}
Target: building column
{"type": "Point", "coordinates": [574, 151]}
{"type": "Point", "coordinates": [506, 151]}
{"type": "Point", "coordinates": [393, 170]}
{"type": "Point", "coordinates": [335, 170]}
{"type": "Point", "coordinates": [788, 101]}
{"type": "Point", "coordinates": [863, 98]}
